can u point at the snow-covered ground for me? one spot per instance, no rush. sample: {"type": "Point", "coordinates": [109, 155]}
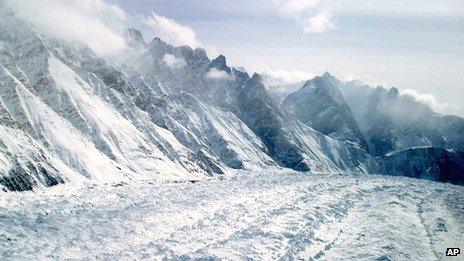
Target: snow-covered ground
{"type": "Point", "coordinates": [260, 216]}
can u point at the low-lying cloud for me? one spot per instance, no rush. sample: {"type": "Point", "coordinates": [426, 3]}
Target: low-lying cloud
{"type": "Point", "coordinates": [216, 74]}
{"type": "Point", "coordinates": [96, 23]}
{"type": "Point", "coordinates": [281, 76]}
{"type": "Point", "coordinates": [171, 31]}
{"type": "Point", "coordinates": [174, 62]}
{"type": "Point", "coordinates": [93, 22]}
{"type": "Point", "coordinates": [425, 98]}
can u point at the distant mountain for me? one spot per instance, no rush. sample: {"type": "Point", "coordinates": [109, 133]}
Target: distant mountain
{"type": "Point", "coordinates": [163, 113]}
{"type": "Point", "coordinates": [321, 105]}
{"type": "Point", "coordinates": [404, 136]}
{"type": "Point", "coordinates": [381, 120]}
{"type": "Point", "coordinates": [392, 122]}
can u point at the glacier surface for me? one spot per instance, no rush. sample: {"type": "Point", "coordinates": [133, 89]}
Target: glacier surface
{"type": "Point", "coordinates": [268, 215]}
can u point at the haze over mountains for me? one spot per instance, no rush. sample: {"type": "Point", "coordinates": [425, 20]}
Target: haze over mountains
{"type": "Point", "coordinates": [173, 113]}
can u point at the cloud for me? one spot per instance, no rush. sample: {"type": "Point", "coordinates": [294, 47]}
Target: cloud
{"type": "Point", "coordinates": [318, 23]}
{"type": "Point", "coordinates": [173, 62]}
{"type": "Point", "coordinates": [171, 31]}
{"type": "Point", "coordinates": [430, 100]}
{"type": "Point", "coordinates": [312, 15]}
{"type": "Point", "coordinates": [216, 74]}
{"type": "Point", "coordinates": [281, 76]}
{"type": "Point", "coordinates": [426, 98]}
{"type": "Point", "coordinates": [93, 22]}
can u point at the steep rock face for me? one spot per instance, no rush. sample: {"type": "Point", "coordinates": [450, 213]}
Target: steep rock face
{"type": "Point", "coordinates": [321, 105]}
{"type": "Point", "coordinates": [220, 64]}
{"type": "Point", "coordinates": [182, 68]}
{"type": "Point", "coordinates": [392, 122]}
{"type": "Point", "coordinates": [134, 38]}
{"type": "Point", "coordinates": [377, 119]}
{"type": "Point", "coordinates": [393, 125]}
{"type": "Point", "coordinates": [25, 164]}
{"type": "Point", "coordinates": [452, 130]}
{"type": "Point", "coordinates": [290, 143]}
{"type": "Point", "coordinates": [426, 163]}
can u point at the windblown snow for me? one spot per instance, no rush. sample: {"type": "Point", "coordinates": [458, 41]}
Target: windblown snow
{"type": "Point", "coordinates": [273, 215]}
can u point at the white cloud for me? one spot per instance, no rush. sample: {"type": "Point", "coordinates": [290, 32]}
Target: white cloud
{"type": "Point", "coordinates": [313, 15]}
{"type": "Point", "coordinates": [318, 23]}
{"type": "Point", "coordinates": [216, 74]}
{"type": "Point", "coordinates": [171, 31]}
{"type": "Point", "coordinates": [426, 98]}
{"type": "Point", "coordinates": [437, 106]}
{"type": "Point", "coordinates": [93, 22]}
{"type": "Point", "coordinates": [173, 62]}
{"type": "Point", "coordinates": [285, 76]}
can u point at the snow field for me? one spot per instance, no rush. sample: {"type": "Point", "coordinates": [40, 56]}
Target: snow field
{"type": "Point", "coordinates": [284, 215]}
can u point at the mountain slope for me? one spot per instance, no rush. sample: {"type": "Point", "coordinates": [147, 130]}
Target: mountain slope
{"type": "Point", "coordinates": [321, 105]}
{"type": "Point", "coordinates": [426, 163]}
{"type": "Point", "coordinates": [287, 141]}
{"type": "Point", "coordinates": [382, 118]}
{"type": "Point", "coordinates": [54, 105]}
{"type": "Point", "coordinates": [405, 136]}
{"type": "Point", "coordinates": [175, 115]}
{"type": "Point", "coordinates": [291, 143]}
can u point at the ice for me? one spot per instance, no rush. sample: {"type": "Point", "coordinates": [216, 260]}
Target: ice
{"type": "Point", "coordinates": [272, 215]}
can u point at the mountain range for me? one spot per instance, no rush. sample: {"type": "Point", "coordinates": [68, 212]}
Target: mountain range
{"type": "Point", "coordinates": [171, 113]}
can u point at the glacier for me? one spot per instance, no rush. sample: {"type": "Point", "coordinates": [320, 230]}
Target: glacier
{"type": "Point", "coordinates": [162, 152]}
{"type": "Point", "coordinates": [246, 215]}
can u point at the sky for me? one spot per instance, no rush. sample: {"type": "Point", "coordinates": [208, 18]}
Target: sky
{"type": "Point", "coordinates": [415, 45]}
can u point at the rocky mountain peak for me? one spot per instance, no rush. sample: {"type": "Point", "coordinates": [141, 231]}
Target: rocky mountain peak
{"type": "Point", "coordinates": [157, 43]}
{"type": "Point", "coordinates": [327, 76]}
{"type": "Point", "coordinates": [256, 79]}
{"type": "Point", "coordinates": [393, 93]}
{"type": "Point", "coordinates": [134, 38]}
{"type": "Point", "coordinates": [220, 64]}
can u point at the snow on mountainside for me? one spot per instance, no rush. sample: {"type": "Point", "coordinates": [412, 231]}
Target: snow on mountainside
{"type": "Point", "coordinates": [218, 85]}
{"type": "Point", "coordinates": [165, 113]}
{"type": "Point", "coordinates": [382, 118]}
{"type": "Point", "coordinates": [290, 142]}
{"type": "Point", "coordinates": [321, 105]}
{"type": "Point", "coordinates": [374, 120]}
